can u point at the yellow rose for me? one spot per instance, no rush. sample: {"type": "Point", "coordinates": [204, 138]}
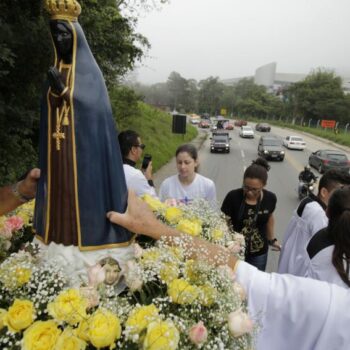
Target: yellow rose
{"type": "Point", "coordinates": [192, 228]}
{"type": "Point", "coordinates": [217, 234]}
{"type": "Point", "coordinates": [173, 215]}
{"type": "Point", "coordinates": [154, 203]}
{"type": "Point", "coordinates": [104, 328]}
{"type": "Point", "coordinates": [23, 275]}
{"type": "Point", "coordinates": [82, 330]}
{"type": "Point", "coordinates": [150, 256]}
{"type": "Point", "coordinates": [69, 306]}
{"type": "Point", "coordinates": [161, 335]}
{"type": "Point", "coordinates": [169, 272]}
{"type": "Point", "coordinates": [140, 317]}
{"type": "Point", "coordinates": [181, 292]}
{"type": "Point", "coordinates": [207, 294]}
{"type": "Point", "coordinates": [20, 315]}
{"type": "Point", "coordinates": [2, 318]}
{"type": "Point", "coordinates": [41, 335]}
{"type": "Point", "coordinates": [69, 341]}
{"type": "Point", "coordinates": [191, 272]}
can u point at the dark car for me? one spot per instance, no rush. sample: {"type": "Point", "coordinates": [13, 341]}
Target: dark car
{"type": "Point", "coordinates": [262, 127]}
{"type": "Point", "coordinates": [271, 147]}
{"type": "Point", "coordinates": [240, 122]}
{"type": "Point", "coordinates": [220, 142]}
{"type": "Point", "coordinates": [324, 160]}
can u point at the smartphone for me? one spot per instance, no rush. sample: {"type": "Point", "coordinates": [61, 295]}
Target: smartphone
{"type": "Point", "coordinates": [146, 159]}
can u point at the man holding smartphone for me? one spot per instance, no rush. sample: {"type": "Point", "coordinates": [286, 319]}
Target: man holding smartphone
{"type": "Point", "coordinates": [132, 148]}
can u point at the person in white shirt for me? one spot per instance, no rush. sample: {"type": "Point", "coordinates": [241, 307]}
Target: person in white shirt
{"type": "Point", "coordinates": [132, 148]}
{"type": "Point", "coordinates": [187, 184]}
{"type": "Point", "coordinates": [294, 312]}
{"type": "Point", "coordinates": [329, 248]}
{"type": "Point", "coordinates": [308, 218]}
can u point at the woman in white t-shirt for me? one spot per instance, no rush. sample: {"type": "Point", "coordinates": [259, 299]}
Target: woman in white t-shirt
{"type": "Point", "coordinates": [329, 248]}
{"type": "Point", "coordinates": [187, 184]}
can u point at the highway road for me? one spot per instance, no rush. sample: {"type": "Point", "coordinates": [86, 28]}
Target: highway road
{"type": "Point", "coordinates": [226, 170]}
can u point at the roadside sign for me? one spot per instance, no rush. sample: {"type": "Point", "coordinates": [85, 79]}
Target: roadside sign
{"type": "Point", "coordinates": [328, 123]}
{"type": "Point", "coordinates": [223, 111]}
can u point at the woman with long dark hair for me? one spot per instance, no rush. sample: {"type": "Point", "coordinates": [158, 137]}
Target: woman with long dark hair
{"type": "Point", "coordinates": [187, 184]}
{"type": "Point", "coordinates": [329, 249]}
{"type": "Point", "coordinates": [250, 210]}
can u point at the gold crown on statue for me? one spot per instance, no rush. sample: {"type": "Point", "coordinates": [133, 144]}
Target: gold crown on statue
{"type": "Point", "coordinates": [63, 9]}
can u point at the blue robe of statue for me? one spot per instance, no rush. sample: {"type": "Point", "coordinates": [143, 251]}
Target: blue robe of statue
{"type": "Point", "coordinates": [82, 174]}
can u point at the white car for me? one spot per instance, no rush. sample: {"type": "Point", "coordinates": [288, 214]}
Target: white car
{"type": "Point", "coordinates": [294, 142]}
{"type": "Point", "coordinates": [246, 131]}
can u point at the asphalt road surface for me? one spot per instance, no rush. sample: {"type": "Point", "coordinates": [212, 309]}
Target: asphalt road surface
{"type": "Point", "coordinates": [226, 170]}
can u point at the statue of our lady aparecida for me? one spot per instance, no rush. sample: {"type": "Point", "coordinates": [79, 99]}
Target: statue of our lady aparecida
{"type": "Point", "coordinates": [82, 174]}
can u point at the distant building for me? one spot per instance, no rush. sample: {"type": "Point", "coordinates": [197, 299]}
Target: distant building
{"type": "Point", "coordinates": [267, 76]}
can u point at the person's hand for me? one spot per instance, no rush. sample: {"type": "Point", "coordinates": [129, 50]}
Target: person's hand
{"type": "Point", "coordinates": [276, 246]}
{"type": "Point", "coordinates": [27, 187]}
{"type": "Point", "coordinates": [138, 218]}
{"type": "Point", "coordinates": [148, 171]}
{"type": "Point", "coordinates": [55, 80]}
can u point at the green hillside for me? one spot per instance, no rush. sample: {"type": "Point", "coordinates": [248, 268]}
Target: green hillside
{"type": "Point", "coordinates": [154, 127]}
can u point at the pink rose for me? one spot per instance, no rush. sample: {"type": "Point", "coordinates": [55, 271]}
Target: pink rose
{"type": "Point", "coordinates": [14, 223]}
{"type": "Point", "coordinates": [198, 334]}
{"type": "Point", "coordinates": [239, 323]}
{"type": "Point", "coordinates": [96, 275]}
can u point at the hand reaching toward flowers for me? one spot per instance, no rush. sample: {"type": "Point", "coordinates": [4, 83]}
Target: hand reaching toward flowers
{"type": "Point", "coordinates": [139, 218]}
{"type": "Point", "coordinates": [13, 196]}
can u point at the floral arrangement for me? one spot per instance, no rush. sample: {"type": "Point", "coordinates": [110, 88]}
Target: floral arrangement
{"type": "Point", "coordinates": [198, 219]}
{"type": "Point", "coordinates": [165, 299]}
{"type": "Point", "coordinates": [16, 229]}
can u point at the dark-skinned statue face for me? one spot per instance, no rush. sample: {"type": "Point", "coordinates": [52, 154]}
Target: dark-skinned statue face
{"type": "Point", "coordinates": [63, 39]}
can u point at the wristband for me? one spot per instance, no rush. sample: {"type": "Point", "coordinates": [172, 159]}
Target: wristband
{"type": "Point", "coordinates": [19, 195]}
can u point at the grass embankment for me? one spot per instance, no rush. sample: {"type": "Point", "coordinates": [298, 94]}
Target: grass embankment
{"type": "Point", "coordinates": [154, 127]}
{"type": "Point", "coordinates": [341, 138]}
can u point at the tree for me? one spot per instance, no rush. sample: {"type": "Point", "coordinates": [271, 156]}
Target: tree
{"type": "Point", "coordinates": [210, 93]}
{"type": "Point", "coordinates": [25, 55]}
{"type": "Point", "coordinates": [319, 95]}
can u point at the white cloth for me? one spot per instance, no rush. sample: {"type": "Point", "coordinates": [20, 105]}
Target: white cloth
{"type": "Point", "coordinates": [321, 268]}
{"type": "Point", "coordinates": [201, 187]}
{"type": "Point", "coordinates": [75, 262]}
{"type": "Point", "coordinates": [294, 258]}
{"type": "Point", "coordinates": [296, 313]}
{"type": "Point", "coordinates": [136, 181]}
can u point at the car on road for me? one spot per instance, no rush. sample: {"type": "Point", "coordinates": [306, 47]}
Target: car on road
{"type": "Point", "coordinates": [262, 127]}
{"type": "Point", "coordinates": [324, 160]}
{"type": "Point", "coordinates": [228, 126]}
{"type": "Point", "coordinates": [246, 131]}
{"type": "Point", "coordinates": [271, 147]}
{"type": "Point", "coordinates": [240, 122]}
{"type": "Point", "coordinates": [294, 142]}
{"type": "Point", "coordinates": [204, 124]}
{"type": "Point", "coordinates": [220, 142]}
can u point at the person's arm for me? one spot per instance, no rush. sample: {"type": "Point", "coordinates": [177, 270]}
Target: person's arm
{"type": "Point", "coordinates": [270, 234]}
{"type": "Point", "coordinates": [13, 196]}
{"type": "Point", "coordinates": [138, 218]}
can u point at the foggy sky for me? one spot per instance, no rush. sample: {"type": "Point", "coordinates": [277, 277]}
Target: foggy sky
{"type": "Point", "coordinates": [231, 38]}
